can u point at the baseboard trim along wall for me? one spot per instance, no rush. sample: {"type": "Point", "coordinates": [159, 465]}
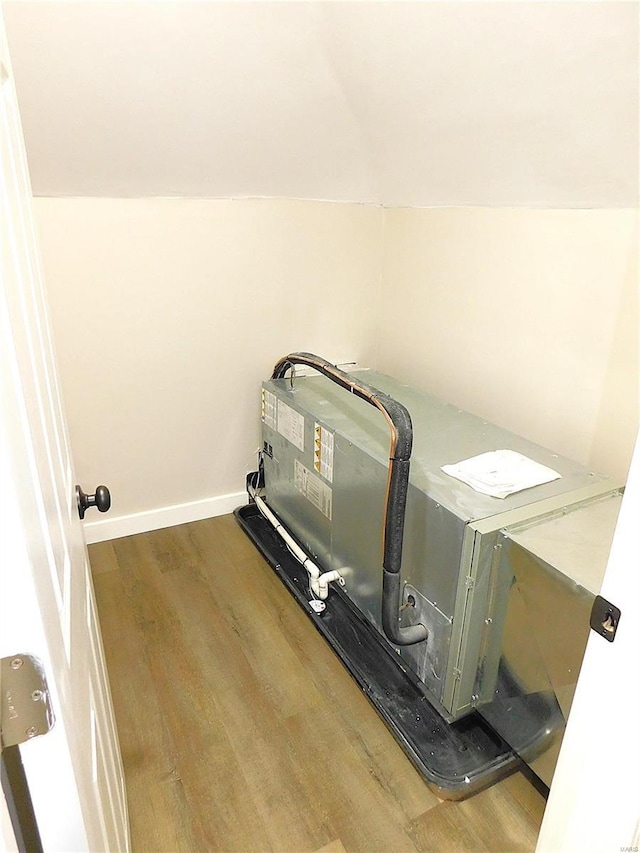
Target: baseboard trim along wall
{"type": "Point", "coordinates": [114, 527]}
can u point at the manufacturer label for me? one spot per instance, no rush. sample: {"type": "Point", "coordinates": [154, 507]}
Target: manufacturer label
{"type": "Point", "coordinates": [291, 425]}
{"type": "Point", "coordinates": [312, 488]}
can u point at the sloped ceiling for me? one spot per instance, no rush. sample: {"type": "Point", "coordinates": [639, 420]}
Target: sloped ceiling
{"type": "Point", "coordinates": [416, 104]}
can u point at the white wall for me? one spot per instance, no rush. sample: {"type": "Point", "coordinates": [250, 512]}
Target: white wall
{"type": "Point", "coordinates": [526, 317]}
{"type": "Point", "coordinates": [168, 313]}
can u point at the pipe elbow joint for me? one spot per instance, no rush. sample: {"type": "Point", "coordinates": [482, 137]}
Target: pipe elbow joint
{"type": "Point", "coordinates": [324, 580]}
{"type": "Point", "coordinates": [408, 635]}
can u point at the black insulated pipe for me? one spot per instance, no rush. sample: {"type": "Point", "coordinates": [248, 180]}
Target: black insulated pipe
{"type": "Point", "coordinates": [399, 421]}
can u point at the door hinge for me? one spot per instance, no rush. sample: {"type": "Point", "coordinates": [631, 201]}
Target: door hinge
{"type": "Point", "coordinates": [25, 704]}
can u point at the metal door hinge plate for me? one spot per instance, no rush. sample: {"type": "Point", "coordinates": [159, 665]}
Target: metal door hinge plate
{"type": "Point", "coordinates": [25, 706]}
{"type": "Point", "coordinates": [605, 618]}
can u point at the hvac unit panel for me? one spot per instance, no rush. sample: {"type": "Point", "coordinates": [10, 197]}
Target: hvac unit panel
{"type": "Point", "coordinates": [283, 460]}
{"type": "Point", "coordinates": [545, 578]}
{"type": "Point", "coordinates": [357, 525]}
{"type": "Point", "coordinates": [326, 458]}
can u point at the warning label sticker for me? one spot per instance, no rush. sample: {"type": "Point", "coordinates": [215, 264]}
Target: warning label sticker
{"type": "Point", "coordinates": [269, 409]}
{"type": "Point", "coordinates": [291, 425]}
{"type": "Point", "coordinates": [313, 488]}
{"type": "Point", "coordinates": [323, 451]}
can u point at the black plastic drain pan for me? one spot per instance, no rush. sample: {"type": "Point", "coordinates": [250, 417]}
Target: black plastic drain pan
{"type": "Point", "coordinates": [456, 759]}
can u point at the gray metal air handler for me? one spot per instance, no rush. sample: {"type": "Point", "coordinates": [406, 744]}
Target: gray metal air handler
{"type": "Point", "coordinates": [471, 611]}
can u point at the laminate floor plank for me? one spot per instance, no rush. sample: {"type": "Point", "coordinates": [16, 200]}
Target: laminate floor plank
{"type": "Point", "coordinates": [360, 810]}
{"type": "Point", "coordinates": [334, 847]}
{"type": "Point", "coordinates": [267, 649]}
{"type": "Point", "coordinates": [103, 558]}
{"type": "Point", "coordinates": [241, 731]}
{"type": "Point", "coordinates": [157, 806]}
{"type": "Point", "coordinates": [191, 737]}
{"type": "Point", "coordinates": [172, 549]}
{"type": "Point", "coordinates": [249, 716]}
{"type": "Point", "coordinates": [505, 818]}
{"type": "Point", "coordinates": [377, 748]}
{"type": "Point", "coordinates": [145, 738]}
{"type": "Point", "coordinates": [260, 587]}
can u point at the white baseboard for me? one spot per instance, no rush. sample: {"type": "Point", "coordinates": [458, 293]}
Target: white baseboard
{"type": "Point", "coordinates": [113, 527]}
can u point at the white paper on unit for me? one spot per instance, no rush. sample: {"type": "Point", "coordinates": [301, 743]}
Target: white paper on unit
{"type": "Point", "coordinates": [500, 473]}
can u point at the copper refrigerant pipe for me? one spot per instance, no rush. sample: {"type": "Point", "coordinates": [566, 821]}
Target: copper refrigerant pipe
{"type": "Point", "coordinates": [399, 422]}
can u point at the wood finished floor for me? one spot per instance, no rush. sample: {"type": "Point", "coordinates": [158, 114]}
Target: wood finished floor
{"type": "Point", "coordinates": [241, 731]}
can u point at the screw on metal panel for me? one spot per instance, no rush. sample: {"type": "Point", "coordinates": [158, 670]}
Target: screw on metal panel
{"type": "Point", "coordinates": [32, 731]}
{"type": "Point", "coordinates": [497, 547]}
{"type": "Point", "coordinates": [488, 621]}
{"type": "Point", "coordinates": [37, 695]}
{"type": "Point", "coordinates": [474, 697]}
{"type": "Point", "coordinates": [16, 663]}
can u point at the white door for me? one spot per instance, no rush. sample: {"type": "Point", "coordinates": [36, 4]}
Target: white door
{"type": "Point", "coordinates": [47, 607]}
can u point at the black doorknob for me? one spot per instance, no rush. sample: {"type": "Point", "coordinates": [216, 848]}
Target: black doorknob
{"type": "Point", "coordinates": [101, 500]}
